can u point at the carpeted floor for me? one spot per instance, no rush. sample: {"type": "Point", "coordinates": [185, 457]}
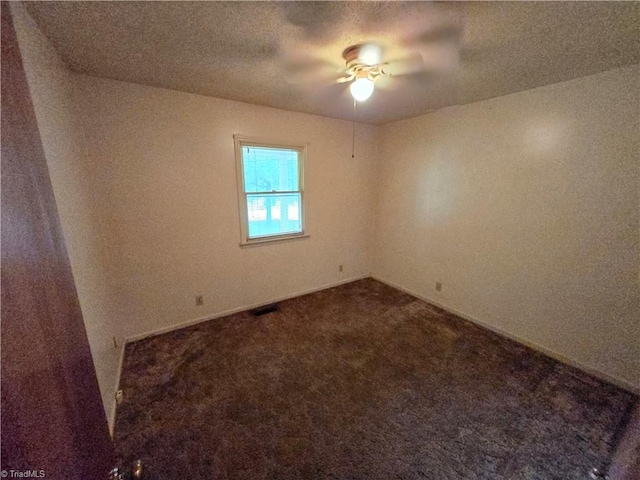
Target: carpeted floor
{"type": "Point", "coordinates": [360, 381]}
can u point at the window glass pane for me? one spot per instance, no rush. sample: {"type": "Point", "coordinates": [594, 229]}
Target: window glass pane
{"type": "Point", "coordinates": [269, 169]}
{"type": "Point", "coordinates": [274, 214]}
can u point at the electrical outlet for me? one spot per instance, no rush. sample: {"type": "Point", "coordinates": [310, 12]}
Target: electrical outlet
{"type": "Point", "coordinates": [199, 300]}
{"type": "Point", "coordinates": [119, 397]}
{"type": "Point", "coordinates": [340, 268]}
{"type": "Point", "coordinates": [438, 287]}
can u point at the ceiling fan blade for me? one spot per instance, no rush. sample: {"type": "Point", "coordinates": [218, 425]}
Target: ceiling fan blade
{"type": "Point", "coordinates": [384, 82]}
{"type": "Point", "coordinates": [401, 82]}
{"type": "Point", "coordinates": [449, 33]}
{"type": "Point", "coordinates": [316, 20]}
{"type": "Point", "coordinates": [403, 66]}
{"type": "Point", "coordinates": [345, 79]}
{"type": "Point", "coordinates": [311, 71]}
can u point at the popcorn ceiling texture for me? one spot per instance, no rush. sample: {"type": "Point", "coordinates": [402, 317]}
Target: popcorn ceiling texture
{"type": "Point", "coordinates": [360, 381]}
{"type": "Point", "coordinates": [244, 51]}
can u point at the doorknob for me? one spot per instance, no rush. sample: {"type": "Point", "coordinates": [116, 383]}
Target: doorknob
{"type": "Point", "coordinates": [598, 474]}
{"type": "Point", "coordinates": [115, 474]}
{"type": "Point", "coordinates": [136, 472]}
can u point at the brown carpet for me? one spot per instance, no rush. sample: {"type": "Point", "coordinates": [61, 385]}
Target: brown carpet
{"type": "Point", "coordinates": [360, 381]}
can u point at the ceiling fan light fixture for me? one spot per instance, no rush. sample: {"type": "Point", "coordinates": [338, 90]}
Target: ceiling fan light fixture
{"type": "Point", "coordinates": [361, 89]}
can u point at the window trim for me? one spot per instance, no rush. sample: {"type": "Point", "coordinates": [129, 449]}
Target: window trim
{"type": "Point", "coordinates": [241, 141]}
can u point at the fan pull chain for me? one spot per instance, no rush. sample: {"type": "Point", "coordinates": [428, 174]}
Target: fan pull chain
{"type": "Point", "coordinates": [353, 131]}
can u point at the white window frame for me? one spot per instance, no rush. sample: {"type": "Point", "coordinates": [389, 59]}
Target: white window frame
{"type": "Point", "coordinates": [242, 141]}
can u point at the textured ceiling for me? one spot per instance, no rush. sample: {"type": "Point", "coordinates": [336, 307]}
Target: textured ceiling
{"type": "Point", "coordinates": [263, 52]}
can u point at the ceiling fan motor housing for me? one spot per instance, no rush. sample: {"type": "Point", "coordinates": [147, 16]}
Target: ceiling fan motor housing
{"type": "Point", "coordinates": [367, 54]}
{"type": "Point", "coordinates": [351, 55]}
{"type": "Point", "coordinates": [363, 61]}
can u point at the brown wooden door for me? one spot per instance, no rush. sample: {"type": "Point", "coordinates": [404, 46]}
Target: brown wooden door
{"type": "Point", "coordinates": [52, 415]}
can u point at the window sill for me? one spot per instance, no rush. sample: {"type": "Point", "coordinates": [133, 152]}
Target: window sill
{"type": "Point", "coordinates": [265, 240]}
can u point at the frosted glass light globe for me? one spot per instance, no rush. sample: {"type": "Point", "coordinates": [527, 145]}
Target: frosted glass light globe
{"type": "Point", "coordinates": [361, 89]}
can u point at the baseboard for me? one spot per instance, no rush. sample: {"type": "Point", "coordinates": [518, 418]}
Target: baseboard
{"type": "Point", "coordinates": [112, 417]}
{"type": "Point", "coordinates": [188, 323]}
{"type": "Point", "coordinates": [550, 353]}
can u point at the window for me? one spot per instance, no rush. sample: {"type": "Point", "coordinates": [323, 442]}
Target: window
{"type": "Point", "coordinates": [270, 190]}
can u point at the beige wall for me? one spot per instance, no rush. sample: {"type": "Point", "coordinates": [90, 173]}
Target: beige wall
{"type": "Point", "coordinates": [163, 162]}
{"type": "Point", "coordinates": [51, 89]}
{"type": "Point", "coordinates": [145, 183]}
{"type": "Point", "coordinates": [525, 207]}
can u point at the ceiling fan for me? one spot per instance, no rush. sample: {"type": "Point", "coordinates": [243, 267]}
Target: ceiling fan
{"type": "Point", "coordinates": [417, 41]}
{"type": "Point", "coordinates": [364, 65]}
